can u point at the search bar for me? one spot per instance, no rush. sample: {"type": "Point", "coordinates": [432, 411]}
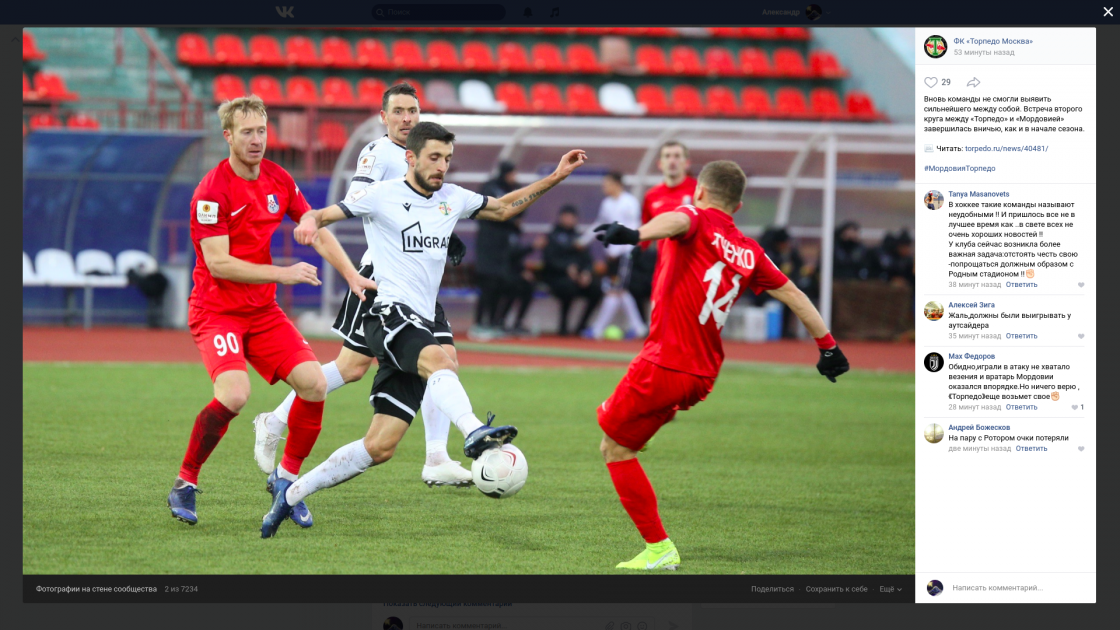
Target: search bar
{"type": "Point", "coordinates": [438, 12]}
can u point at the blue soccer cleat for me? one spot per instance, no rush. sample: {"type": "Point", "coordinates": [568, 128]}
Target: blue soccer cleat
{"type": "Point", "coordinates": [280, 509]}
{"type": "Point", "coordinates": [487, 436]}
{"type": "Point", "coordinates": [300, 514]}
{"type": "Point", "coordinates": [181, 502]}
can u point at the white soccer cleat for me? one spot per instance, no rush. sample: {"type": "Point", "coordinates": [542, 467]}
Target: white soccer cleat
{"type": "Point", "coordinates": [448, 473]}
{"type": "Point", "coordinates": [264, 449]}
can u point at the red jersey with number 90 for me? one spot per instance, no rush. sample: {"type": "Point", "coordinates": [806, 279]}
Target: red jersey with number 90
{"type": "Point", "coordinates": [700, 274]}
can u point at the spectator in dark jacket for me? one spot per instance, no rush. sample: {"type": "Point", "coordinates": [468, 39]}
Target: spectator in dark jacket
{"type": "Point", "coordinates": [850, 254]}
{"type": "Point", "coordinates": [517, 284]}
{"type": "Point", "coordinates": [567, 269]}
{"type": "Point", "coordinates": [493, 252]}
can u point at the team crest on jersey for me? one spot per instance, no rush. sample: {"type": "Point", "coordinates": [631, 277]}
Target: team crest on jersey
{"type": "Point", "coordinates": [273, 205]}
{"type": "Point", "coordinates": [444, 208]}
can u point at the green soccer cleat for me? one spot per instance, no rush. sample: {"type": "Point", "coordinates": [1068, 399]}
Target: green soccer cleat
{"type": "Point", "coordinates": [656, 556]}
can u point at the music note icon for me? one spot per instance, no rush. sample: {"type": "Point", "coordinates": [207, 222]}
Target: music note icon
{"type": "Point", "coordinates": [555, 12]}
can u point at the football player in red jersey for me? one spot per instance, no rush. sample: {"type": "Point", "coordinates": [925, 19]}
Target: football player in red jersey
{"type": "Point", "coordinates": [703, 265]}
{"type": "Point", "coordinates": [233, 314]}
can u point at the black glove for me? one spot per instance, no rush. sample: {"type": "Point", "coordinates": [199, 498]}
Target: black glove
{"type": "Point", "coordinates": [833, 363]}
{"type": "Point", "coordinates": [456, 249]}
{"type": "Point", "coordinates": [616, 234]}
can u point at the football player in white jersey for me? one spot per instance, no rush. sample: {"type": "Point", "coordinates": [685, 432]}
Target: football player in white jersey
{"type": "Point", "coordinates": [408, 223]}
{"type": "Point", "coordinates": [381, 160]}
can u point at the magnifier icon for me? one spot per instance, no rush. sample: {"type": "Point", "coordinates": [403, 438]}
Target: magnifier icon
{"type": "Point", "coordinates": [380, 13]}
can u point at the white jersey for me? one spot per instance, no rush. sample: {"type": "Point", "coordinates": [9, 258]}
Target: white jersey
{"type": "Point", "coordinates": [626, 210]}
{"type": "Point", "coordinates": [407, 233]}
{"type": "Point", "coordinates": [379, 161]}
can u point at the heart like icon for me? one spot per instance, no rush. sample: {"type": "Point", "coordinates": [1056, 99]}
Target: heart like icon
{"type": "Point", "coordinates": [1081, 335]}
{"type": "Point", "coordinates": [1080, 448]}
{"type": "Point", "coordinates": [931, 81]}
{"type": "Point", "coordinates": [1080, 284]}
{"type": "Point", "coordinates": [1075, 407]}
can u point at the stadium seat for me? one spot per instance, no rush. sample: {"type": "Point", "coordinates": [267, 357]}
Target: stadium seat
{"type": "Point", "coordinates": [685, 60]}
{"type": "Point", "coordinates": [648, 31]}
{"type": "Point", "coordinates": [651, 59]}
{"type": "Point", "coordinates": [789, 102]}
{"type": "Point", "coordinates": [370, 92]}
{"type": "Point", "coordinates": [513, 96]}
{"type": "Point", "coordinates": [335, 52]}
{"type": "Point", "coordinates": [264, 50]}
{"type": "Point", "coordinates": [582, 99]}
{"type": "Point", "coordinates": [31, 51]}
{"type": "Point", "coordinates": [477, 96]}
{"type": "Point", "coordinates": [477, 57]}
{"type": "Point", "coordinates": [301, 91]}
{"type": "Point", "coordinates": [618, 98]}
{"type": "Point", "coordinates": [50, 86]}
{"type": "Point", "coordinates": [337, 92]}
{"type": "Point", "coordinates": [266, 87]}
{"type": "Point", "coordinates": [653, 98]}
{"type": "Point", "coordinates": [823, 63]}
{"type": "Point", "coordinates": [30, 278]}
{"type": "Point", "coordinates": [56, 267]}
{"type": "Point", "coordinates": [94, 262]}
{"type": "Point", "coordinates": [300, 52]}
{"type": "Point", "coordinates": [331, 135]}
{"type": "Point", "coordinates": [371, 54]}
{"type": "Point", "coordinates": [796, 32]}
{"type": "Point", "coordinates": [548, 58]}
{"type": "Point", "coordinates": [228, 87]}
{"type": "Point", "coordinates": [442, 95]}
{"type": "Point", "coordinates": [274, 139]}
{"type": "Point", "coordinates": [546, 98]}
{"type": "Point", "coordinates": [788, 62]}
{"type": "Point", "coordinates": [82, 121]}
{"type": "Point", "coordinates": [192, 49]}
{"type": "Point", "coordinates": [686, 100]}
{"type": "Point", "coordinates": [757, 32]}
{"type": "Point", "coordinates": [825, 103]}
{"type": "Point", "coordinates": [406, 55]}
{"type": "Point", "coordinates": [720, 61]}
{"type": "Point", "coordinates": [443, 56]}
{"type": "Point", "coordinates": [229, 50]}
{"type": "Point", "coordinates": [29, 94]}
{"type": "Point", "coordinates": [721, 101]}
{"type": "Point", "coordinates": [755, 101]}
{"type": "Point", "coordinates": [582, 58]}
{"type": "Point", "coordinates": [861, 107]}
{"type": "Point", "coordinates": [615, 55]}
{"type": "Point", "coordinates": [753, 62]}
{"type": "Point", "coordinates": [733, 32]}
{"type": "Point", "coordinates": [136, 259]}
{"type": "Point", "coordinates": [594, 31]}
{"type": "Point", "coordinates": [43, 121]}
{"type": "Point", "coordinates": [513, 58]}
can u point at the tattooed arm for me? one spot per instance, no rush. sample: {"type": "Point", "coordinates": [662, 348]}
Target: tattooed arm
{"type": "Point", "coordinates": [506, 207]}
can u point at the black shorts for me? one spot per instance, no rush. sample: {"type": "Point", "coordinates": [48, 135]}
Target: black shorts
{"type": "Point", "coordinates": [348, 323]}
{"type": "Point", "coordinates": [618, 272]}
{"type": "Point", "coordinates": [396, 335]}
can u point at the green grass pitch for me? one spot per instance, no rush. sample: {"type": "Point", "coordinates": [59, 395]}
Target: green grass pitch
{"type": "Point", "coordinates": [778, 472]}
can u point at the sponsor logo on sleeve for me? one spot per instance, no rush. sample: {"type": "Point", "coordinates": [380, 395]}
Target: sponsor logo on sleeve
{"type": "Point", "coordinates": [207, 212]}
{"type": "Point", "coordinates": [356, 195]}
{"type": "Point", "coordinates": [365, 165]}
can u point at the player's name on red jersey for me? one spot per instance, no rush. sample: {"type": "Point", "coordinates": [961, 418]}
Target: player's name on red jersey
{"type": "Point", "coordinates": [699, 278]}
{"type": "Point", "coordinates": [248, 212]}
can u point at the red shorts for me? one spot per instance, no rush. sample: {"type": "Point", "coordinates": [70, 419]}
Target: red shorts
{"type": "Point", "coordinates": [647, 397]}
{"type": "Point", "coordinates": [266, 338]}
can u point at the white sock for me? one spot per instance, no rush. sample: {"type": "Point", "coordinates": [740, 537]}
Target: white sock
{"type": "Point", "coordinates": [344, 464]}
{"type": "Point", "coordinates": [632, 313]}
{"type": "Point", "coordinates": [334, 381]}
{"type": "Point", "coordinates": [450, 397]}
{"type": "Point", "coordinates": [436, 427]}
{"type": "Point", "coordinates": [284, 474]}
{"type": "Point", "coordinates": [606, 314]}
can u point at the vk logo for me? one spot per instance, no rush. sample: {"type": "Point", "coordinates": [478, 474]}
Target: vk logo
{"type": "Point", "coordinates": [286, 12]}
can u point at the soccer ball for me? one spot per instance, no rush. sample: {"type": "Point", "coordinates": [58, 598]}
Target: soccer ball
{"type": "Point", "coordinates": [500, 472]}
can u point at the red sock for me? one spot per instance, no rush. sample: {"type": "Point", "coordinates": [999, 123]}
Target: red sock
{"type": "Point", "coordinates": [209, 427]}
{"type": "Point", "coordinates": [305, 420]}
{"type": "Point", "coordinates": [636, 494]}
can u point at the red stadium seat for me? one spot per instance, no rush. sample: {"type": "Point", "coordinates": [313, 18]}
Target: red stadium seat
{"type": "Point", "coordinates": [796, 32]}
{"type": "Point", "coordinates": [546, 98]}
{"type": "Point", "coordinates": [720, 61]}
{"type": "Point", "coordinates": [300, 52]}
{"type": "Point", "coordinates": [337, 92]}
{"type": "Point", "coordinates": [229, 50]}
{"type": "Point", "coordinates": [824, 64]}
{"type": "Point", "coordinates": [651, 59]}
{"type": "Point", "coordinates": [861, 107]}
{"type": "Point", "coordinates": [513, 58]}
{"type": "Point", "coordinates": [649, 31]}
{"type": "Point", "coordinates": [336, 53]}
{"type": "Point", "coordinates": [28, 93]}
{"type": "Point", "coordinates": [686, 100]}
{"type": "Point", "coordinates": [513, 95]}
{"type": "Point", "coordinates": [790, 103]}
{"type": "Point", "coordinates": [595, 31]}
{"type": "Point", "coordinates": [825, 103]}
{"type": "Point", "coordinates": [788, 62]}
{"type": "Point", "coordinates": [443, 56]}
{"type": "Point", "coordinates": [721, 101]}
{"type": "Point", "coordinates": [727, 31]}
{"type": "Point", "coordinates": [686, 60]}
{"type": "Point", "coordinates": [654, 98]}
{"type": "Point", "coordinates": [370, 92]}
{"type": "Point", "coordinates": [371, 53]}
{"type": "Point", "coordinates": [268, 88]}
{"type": "Point", "coordinates": [192, 49]}
{"type": "Point", "coordinates": [583, 99]}
{"type": "Point", "coordinates": [755, 101]}
{"type": "Point", "coordinates": [548, 58]}
{"type": "Point", "coordinates": [31, 51]}
{"type": "Point", "coordinates": [81, 121]}
{"type": "Point", "coordinates": [753, 62]}
{"type": "Point", "coordinates": [406, 55]}
{"type": "Point", "coordinates": [331, 135]}
{"type": "Point", "coordinates": [50, 86]}
{"type": "Point", "coordinates": [228, 87]}
{"type": "Point", "coordinates": [477, 57]}
{"type": "Point", "coordinates": [301, 91]}
{"type": "Point", "coordinates": [424, 103]}
{"type": "Point", "coordinates": [582, 58]}
{"type": "Point", "coordinates": [264, 50]}
{"type": "Point", "coordinates": [274, 139]}
{"type": "Point", "coordinates": [43, 121]}
{"type": "Point", "coordinates": [758, 32]}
